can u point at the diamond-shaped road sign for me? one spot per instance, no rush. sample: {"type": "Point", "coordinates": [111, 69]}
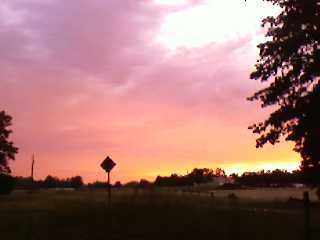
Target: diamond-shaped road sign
{"type": "Point", "coordinates": [108, 164]}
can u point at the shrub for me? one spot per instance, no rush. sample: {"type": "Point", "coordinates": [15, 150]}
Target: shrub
{"type": "Point", "coordinates": [7, 184]}
{"type": "Point", "coordinates": [232, 197]}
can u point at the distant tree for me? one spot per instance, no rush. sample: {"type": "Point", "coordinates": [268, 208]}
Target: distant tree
{"type": "Point", "coordinates": [219, 172]}
{"type": "Point", "coordinates": [132, 184]}
{"type": "Point", "coordinates": [75, 182]}
{"type": "Point", "coordinates": [144, 183]}
{"type": "Point", "coordinates": [290, 59]}
{"type": "Point", "coordinates": [51, 182]}
{"type": "Point", "coordinates": [118, 184]}
{"type": "Point", "coordinates": [202, 175]}
{"type": "Point", "coordinates": [7, 149]}
{"type": "Point", "coordinates": [275, 178]}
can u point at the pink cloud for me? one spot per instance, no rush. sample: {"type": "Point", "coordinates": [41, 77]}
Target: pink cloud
{"type": "Point", "coordinates": [84, 79]}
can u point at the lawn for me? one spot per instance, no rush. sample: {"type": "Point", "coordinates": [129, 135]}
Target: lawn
{"type": "Point", "coordinates": [158, 214]}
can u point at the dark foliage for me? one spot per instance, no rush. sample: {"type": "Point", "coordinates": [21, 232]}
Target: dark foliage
{"type": "Point", "coordinates": [276, 178]}
{"type": "Point", "coordinates": [75, 182]}
{"type": "Point", "coordinates": [132, 184]}
{"type": "Point", "coordinates": [145, 183]}
{"type": "Point", "coordinates": [7, 183]}
{"type": "Point", "coordinates": [7, 149]}
{"type": "Point", "coordinates": [117, 184]}
{"type": "Point", "coordinates": [233, 197]}
{"type": "Point", "coordinates": [54, 182]}
{"type": "Point", "coordinates": [97, 185]}
{"type": "Point", "coordinates": [24, 182]}
{"type": "Point", "coordinates": [197, 176]}
{"type": "Point", "coordinates": [49, 182]}
{"type": "Point", "coordinates": [291, 61]}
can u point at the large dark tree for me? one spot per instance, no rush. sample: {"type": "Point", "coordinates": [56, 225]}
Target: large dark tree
{"type": "Point", "coordinates": [7, 149]}
{"type": "Point", "coordinates": [290, 61]}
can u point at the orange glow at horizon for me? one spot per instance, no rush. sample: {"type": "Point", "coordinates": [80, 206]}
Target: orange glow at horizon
{"type": "Point", "coordinates": [129, 169]}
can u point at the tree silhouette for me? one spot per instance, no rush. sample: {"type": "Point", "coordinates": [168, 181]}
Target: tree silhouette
{"type": "Point", "coordinates": [55, 182]}
{"type": "Point", "coordinates": [196, 176]}
{"type": "Point", "coordinates": [75, 182]}
{"type": "Point", "coordinates": [51, 182]}
{"type": "Point", "coordinates": [290, 59]}
{"type": "Point", "coordinates": [7, 183]}
{"type": "Point", "coordinates": [7, 149]}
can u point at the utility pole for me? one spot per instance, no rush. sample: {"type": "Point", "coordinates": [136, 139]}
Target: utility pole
{"type": "Point", "coordinates": [32, 167]}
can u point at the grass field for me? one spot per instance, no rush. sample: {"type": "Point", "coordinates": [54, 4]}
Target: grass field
{"type": "Point", "coordinates": [146, 215]}
{"type": "Point", "coordinates": [269, 194]}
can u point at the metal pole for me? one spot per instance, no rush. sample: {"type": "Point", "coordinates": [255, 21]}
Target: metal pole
{"type": "Point", "coordinates": [306, 201]}
{"type": "Point", "coordinates": [109, 189]}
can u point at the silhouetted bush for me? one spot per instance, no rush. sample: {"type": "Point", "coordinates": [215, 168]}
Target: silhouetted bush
{"type": "Point", "coordinates": [98, 185]}
{"type": "Point", "coordinates": [117, 184]}
{"type": "Point", "coordinates": [132, 184]}
{"type": "Point", "coordinates": [145, 184]}
{"type": "Point", "coordinates": [74, 182]}
{"type": "Point", "coordinates": [7, 184]}
{"type": "Point", "coordinates": [295, 202]}
{"type": "Point", "coordinates": [232, 197]}
{"type": "Point", "coordinates": [23, 182]}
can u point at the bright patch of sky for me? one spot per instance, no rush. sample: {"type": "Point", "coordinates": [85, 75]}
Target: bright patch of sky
{"type": "Point", "coordinates": [212, 21]}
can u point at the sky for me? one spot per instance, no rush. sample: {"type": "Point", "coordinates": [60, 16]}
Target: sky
{"type": "Point", "coordinates": [158, 85]}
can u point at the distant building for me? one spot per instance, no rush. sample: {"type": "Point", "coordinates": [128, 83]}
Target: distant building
{"type": "Point", "coordinates": [298, 185]}
{"type": "Point", "coordinates": [217, 181]}
{"type": "Point", "coordinates": [221, 180]}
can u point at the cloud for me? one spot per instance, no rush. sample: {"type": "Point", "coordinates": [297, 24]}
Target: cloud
{"type": "Point", "coordinates": [85, 78]}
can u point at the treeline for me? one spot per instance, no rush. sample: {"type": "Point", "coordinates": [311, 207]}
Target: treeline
{"type": "Point", "coordinates": [49, 182]}
{"type": "Point", "coordinates": [275, 178]}
{"type": "Point", "coordinates": [198, 176]}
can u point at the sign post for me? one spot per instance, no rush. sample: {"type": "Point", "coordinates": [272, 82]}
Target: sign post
{"type": "Point", "coordinates": [108, 164]}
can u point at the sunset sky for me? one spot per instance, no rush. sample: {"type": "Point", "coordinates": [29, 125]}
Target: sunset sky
{"type": "Point", "coordinates": [159, 85]}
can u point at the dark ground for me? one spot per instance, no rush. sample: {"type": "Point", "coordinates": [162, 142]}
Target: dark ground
{"type": "Point", "coordinates": [145, 215]}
